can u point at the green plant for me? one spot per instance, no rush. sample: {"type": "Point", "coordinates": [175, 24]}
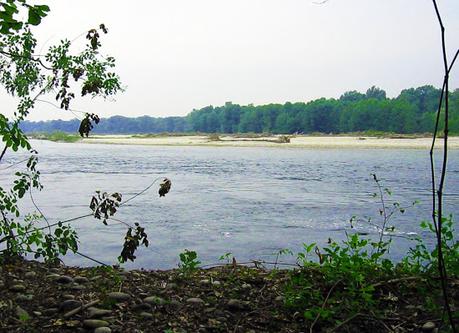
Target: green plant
{"type": "Point", "coordinates": [422, 259]}
{"type": "Point", "coordinates": [347, 270]}
{"type": "Point", "coordinates": [279, 253]}
{"type": "Point", "coordinates": [188, 262]}
{"type": "Point", "coordinates": [227, 257]}
{"type": "Point", "coordinates": [27, 77]}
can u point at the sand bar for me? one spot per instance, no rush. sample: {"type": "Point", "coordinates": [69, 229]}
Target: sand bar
{"type": "Point", "coordinates": [270, 141]}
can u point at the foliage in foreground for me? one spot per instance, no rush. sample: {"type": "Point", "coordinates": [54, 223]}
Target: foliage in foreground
{"type": "Point", "coordinates": [353, 278]}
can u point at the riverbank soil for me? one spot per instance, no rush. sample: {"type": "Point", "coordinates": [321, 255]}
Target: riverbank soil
{"type": "Point", "coordinates": [35, 297]}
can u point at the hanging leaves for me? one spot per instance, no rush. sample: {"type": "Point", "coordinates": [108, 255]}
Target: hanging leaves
{"type": "Point", "coordinates": [132, 242]}
{"type": "Point", "coordinates": [105, 205]}
{"type": "Point", "coordinates": [164, 187]}
{"type": "Point", "coordinates": [86, 124]}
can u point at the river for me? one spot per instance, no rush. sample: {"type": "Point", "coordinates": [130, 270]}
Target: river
{"type": "Point", "coordinates": [250, 202]}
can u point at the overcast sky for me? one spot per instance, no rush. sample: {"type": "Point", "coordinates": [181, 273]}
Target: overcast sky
{"type": "Point", "coordinates": [177, 55]}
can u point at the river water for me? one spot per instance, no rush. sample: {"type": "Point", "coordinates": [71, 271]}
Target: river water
{"type": "Point", "coordinates": [251, 202]}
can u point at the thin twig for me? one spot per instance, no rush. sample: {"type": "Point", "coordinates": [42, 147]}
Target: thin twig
{"type": "Point", "coordinates": [323, 306]}
{"type": "Point", "coordinates": [80, 308]}
{"type": "Point", "coordinates": [441, 264]}
{"type": "Point", "coordinates": [408, 278]}
{"type": "Point", "coordinates": [346, 321]}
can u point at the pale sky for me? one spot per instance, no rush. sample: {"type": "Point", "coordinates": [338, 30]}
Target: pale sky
{"type": "Point", "coordinates": [176, 55]}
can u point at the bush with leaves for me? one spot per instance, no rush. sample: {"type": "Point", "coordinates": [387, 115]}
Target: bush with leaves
{"type": "Point", "coordinates": [27, 76]}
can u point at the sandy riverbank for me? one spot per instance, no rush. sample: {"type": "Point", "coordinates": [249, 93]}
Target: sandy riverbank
{"type": "Point", "coordinates": [295, 142]}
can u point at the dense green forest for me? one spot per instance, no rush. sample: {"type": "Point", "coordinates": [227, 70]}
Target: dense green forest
{"type": "Point", "coordinates": [413, 111]}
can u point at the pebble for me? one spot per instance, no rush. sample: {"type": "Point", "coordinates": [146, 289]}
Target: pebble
{"type": "Point", "coordinates": [50, 311]}
{"type": "Point", "coordinates": [118, 296]}
{"type": "Point", "coordinates": [235, 304]}
{"type": "Point", "coordinates": [18, 288]}
{"type": "Point", "coordinates": [97, 313]}
{"type": "Point", "coordinates": [94, 323]}
{"type": "Point", "coordinates": [37, 313]}
{"type": "Point", "coordinates": [171, 286]}
{"type": "Point", "coordinates": [175, 303]}
{"type": "Point", "coordinates": [81, 279]}
{"type": "Point", "coordinates": [69, 304]}
{"type": "Point", "coordinates": [246, 286]}
{"type": "Point", "coordinates": [216, 283]}
{"type": "Point", "coordinates": [30, 275]}
{"type": "Point", "coordinates": [64, 279]}
{"type": "Point", "coordinates": [77, 287]}
{"type": "Point", "coordinates": [24, 298]}
{"type": "Point", "coordinates": [68, 296]}
{"type": "Point", "coordinates": [21, 313]}
{"type": "Point", "coordinates": [428, 327]}
{"type": "Point", "coordinates": [52, 276]}
{"type": "Point", "coordinates": [54, 270]}
{"type": "Point", "coordinates": [195, 300]}
{"type": "Point", "coordinates": [205, 281]}
{"type": "Point", "coordinates": [49, 301]}
{"type": "Point", "coordinates": [154, 300]}
{"type": "Point", "coordinates": [142, 307]}
{"type": "Point", "coordinates": [146, 315]}
{"type": "Point", "coordinates": [279, 299]}
{"type": "Point", "coordinates": [103, 330]}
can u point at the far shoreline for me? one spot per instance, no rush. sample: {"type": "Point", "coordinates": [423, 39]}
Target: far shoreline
{"type": "Point", "coordinates": [275, 141]}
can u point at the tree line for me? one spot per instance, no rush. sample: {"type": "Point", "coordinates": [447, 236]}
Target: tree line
{"type": "Point", "coordinates": [412, 111]}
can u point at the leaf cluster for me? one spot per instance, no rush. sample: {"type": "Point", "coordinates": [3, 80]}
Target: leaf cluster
{"type": "Point", "coordinates": [188, 262]}
{"type": "Point", "coordinates": [132, 242]}
{"type": "Point", "coordinates": [104, 205]}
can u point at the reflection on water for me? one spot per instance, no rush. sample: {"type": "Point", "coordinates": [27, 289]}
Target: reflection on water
{"type": "Point", "coordinates": [248, 201]}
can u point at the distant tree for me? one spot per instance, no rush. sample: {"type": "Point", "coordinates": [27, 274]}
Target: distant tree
{"type": "Point", "coordinates": [351, 96]}
{"type": "Point", "coordinates": [376, 93]}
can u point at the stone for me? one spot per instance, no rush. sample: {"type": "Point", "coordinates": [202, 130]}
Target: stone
{"type": "Point", "coordinates": [103, 329]}
{"type": "Point", "coordinates": [81, 279]}
{"type": "Point", "coordinates": [279, 299]}
{"type": "Point", "coordinates": [235, 304]}
{"type": "Point", "coordinates": [64, 279]}
{"type": "Point", "coordinates": [68, 296]}
{"type": "Point", "coordinates": [155, 300]}
{"type": "Point", "coordinates": [146, 315]}
{"type": "Point", "coordinates": [52, 276]}
{"type": "Point", "coordinates": [37, 313]}
{"type": "Point", "coordinates": [18, 288]}
{"type": "Point", "coordinates": [142, 307]}
{"type": "Point", "coordinates": [216, 283]}
{"type": "Point", "coordinates": [69, 304]}
{"type": "Point", "coordinates": [428, 327]}
{"type": "Point", "coordinates": [50, 311]}
{"type": "Point", "coordinates": [30, 275]}
{"type": "Point", "coordinates": [94, 323]}
{"type": "Point", "coordinates": [195, 300]}
{"type": "Point", "coordinates": [24, 298]}
{"type": "Point", "coordinates": [21, 313]}
{"type": "Point", "coordinates": [97, 313]}
{"type": "Point", "coordinates": [118, 296]}
{"type": "Point", "coordinates": [171, 286]}
{"type": "Point", "coordinates": [205, 281]}
{"type": "Point", "coordinates": [77, 287]}
{"type": "Point", "coordinates": [54, 270]}
{"type": "Point", "coordinates": [49, 302]}
{"type": "Point", "coordinates": [246, 286]}
{"type": "Point", "coordinates": [175, 303]}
